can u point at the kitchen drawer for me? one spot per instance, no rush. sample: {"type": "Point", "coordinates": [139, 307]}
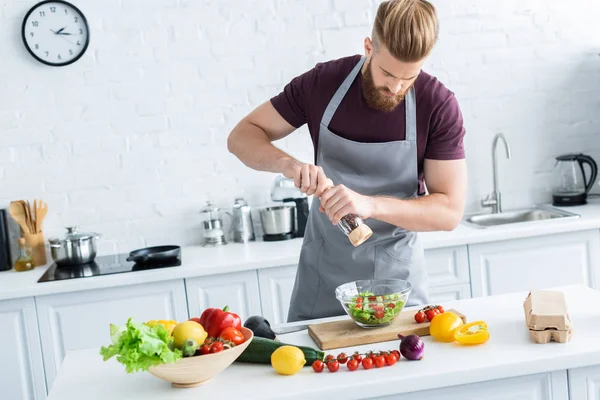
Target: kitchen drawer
{"type": "Point", "coordinates": [447, 266]}
{"type": "Point", "coordinates": [441, 294]}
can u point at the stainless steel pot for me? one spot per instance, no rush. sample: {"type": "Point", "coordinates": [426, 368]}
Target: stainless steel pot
{"type": "Point", "coordinates": [76, 248]}
{"type": "Point", "coordinates": [278, 220]}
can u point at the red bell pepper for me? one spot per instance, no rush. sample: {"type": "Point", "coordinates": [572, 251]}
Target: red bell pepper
{"type": "Point", "coordinates": [214, 320]}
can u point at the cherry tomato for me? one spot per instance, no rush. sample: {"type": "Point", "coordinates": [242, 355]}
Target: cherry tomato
{"type": "Point", "coordinates": [342, 358]}
{"type": "Point", "coordinates": [205, 349]}
{"type": "Point", "coordinates": [216, 347]}
{"type": "Point", "coordinates": [440, 309]}
{"type": "Point", "coordinates": [358, 358]}
{"type": "Point", "coordinates": [379, 361]}
{"type": "Point", "coordinates": [392, 305]}
{"type": "Point", "coordinates": [352, 364]}
{"type": "Point", "coordinates": [318, 365]}
{"type": "Point", "coordinates": [420, 317]}
{"type": "Point", "coordinates": [391, 359]}
{"type": "Point", "coordinates": [333, 366]}
{"type": "Point", "coordinates": [372, 298]}
{"type": "Point", "coordinates": [430, 314]}
{"type": "Point", "coordinates": [329, 358]}
{"type": "Point", "coordinates": [233, 335]}
{"type": "Point", "coordinates": [379, 314]}
{"type": "Point", "coordinates": [359, 300]}
{"type": "Point", "coordinates": [396, 353]}
{"type": "Point", "coordinates": [367, 363]}
{"type": "Point", "coordinates": [358, 306]}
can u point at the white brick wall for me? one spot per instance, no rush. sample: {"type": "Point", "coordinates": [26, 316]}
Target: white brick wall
{"type": "Point", "coordinates": [131, 140]}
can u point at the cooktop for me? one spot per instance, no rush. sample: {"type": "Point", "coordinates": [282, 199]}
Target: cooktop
{"type": "Point", "coordinates": [104, 265]}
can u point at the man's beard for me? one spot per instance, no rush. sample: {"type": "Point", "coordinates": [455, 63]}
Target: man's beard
{"type": "Point", "coordinates": [375, 96]}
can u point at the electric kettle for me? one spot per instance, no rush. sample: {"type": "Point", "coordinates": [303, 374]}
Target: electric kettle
{"type": "Point", "coordinates": [571, 183]}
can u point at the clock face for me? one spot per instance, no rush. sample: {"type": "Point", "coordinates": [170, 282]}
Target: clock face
{"type": "Point", "coordinates": [55, 32]}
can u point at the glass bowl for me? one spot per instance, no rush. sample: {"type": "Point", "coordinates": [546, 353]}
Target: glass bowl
{"type": "Point", "coordinates": [373, 303]}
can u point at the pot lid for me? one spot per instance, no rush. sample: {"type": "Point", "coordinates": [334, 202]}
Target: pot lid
{"type": "Point", "coordinates": [73, 235]}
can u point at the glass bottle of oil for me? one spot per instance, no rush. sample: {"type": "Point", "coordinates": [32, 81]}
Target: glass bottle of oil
{"type": "Point", "coordinates": [25, 261]}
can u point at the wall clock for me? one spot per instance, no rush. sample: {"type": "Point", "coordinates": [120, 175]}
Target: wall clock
{"type": "Point", "coordinates": [55, 32]}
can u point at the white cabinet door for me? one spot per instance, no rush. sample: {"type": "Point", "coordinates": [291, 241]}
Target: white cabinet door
{"type": "Point", "coordinates": [22, 368]}
{"type": "Point", "coordinates": [441, 294]}
{"type": "Point", "coordinates": [276, 286]}
{"type": "Point", "coordinates": [584, 383]}
{"type": "Point", "coordinates": [81, 320]}
{"type": "Point", "coordinates": [548, 386]}
{"type": "Point", "coordinates": [536, 262]}
{"type": "Point", "coordinates": [447, 266]}
{"type": "Point", "coordinates": [238, 291]}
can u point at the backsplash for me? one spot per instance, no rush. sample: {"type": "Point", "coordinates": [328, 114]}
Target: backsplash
{"type": "Point", "coordinates": [130, 141]}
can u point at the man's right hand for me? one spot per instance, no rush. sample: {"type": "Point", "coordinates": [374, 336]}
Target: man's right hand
{"type": "Point", "coordinates": [310, 179]}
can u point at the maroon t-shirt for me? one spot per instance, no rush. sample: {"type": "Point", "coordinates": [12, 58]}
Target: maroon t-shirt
{"type": "Point", "coordinates": [440, 129]}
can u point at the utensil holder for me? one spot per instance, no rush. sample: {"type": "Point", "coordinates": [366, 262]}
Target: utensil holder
{"type": "Point", "coordinates": [38, 248]}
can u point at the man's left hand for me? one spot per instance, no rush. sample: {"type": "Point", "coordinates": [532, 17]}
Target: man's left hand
{"type": "Point", "coordinates": [339, 201]}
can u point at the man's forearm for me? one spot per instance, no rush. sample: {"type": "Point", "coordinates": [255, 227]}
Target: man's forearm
{"type": "Point", "coordinates": [433, 212]}
{"type": "Point", "coordinates": [252, 146]}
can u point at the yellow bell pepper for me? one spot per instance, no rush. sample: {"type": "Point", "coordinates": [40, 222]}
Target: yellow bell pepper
{"type": "Point", "coordinates": [472, 333]}
{"type": "Point", "coordinates": [168, 324]}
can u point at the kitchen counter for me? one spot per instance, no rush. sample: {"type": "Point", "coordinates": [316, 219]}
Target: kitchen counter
{"type": "Point", "coordinates": [510, 352]}
{"type": "Point", "coordinates": [201, 261]}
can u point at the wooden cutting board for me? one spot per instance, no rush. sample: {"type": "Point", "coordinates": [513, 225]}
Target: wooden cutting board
{"type": "Point", "coordinates": [346, 333]}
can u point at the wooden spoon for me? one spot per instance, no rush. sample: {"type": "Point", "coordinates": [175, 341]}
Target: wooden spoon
{"type": "Point", "coordinates": [17, 211]}
{"type": "Point", "coordinates": [41, 209]}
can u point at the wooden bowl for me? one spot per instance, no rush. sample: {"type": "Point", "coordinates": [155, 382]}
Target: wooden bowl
{"type": "Point", "coordinates": [193, 371]}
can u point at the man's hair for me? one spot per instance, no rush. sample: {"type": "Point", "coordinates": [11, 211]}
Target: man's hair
{"type": "Point", "coordinates": [407, 28]}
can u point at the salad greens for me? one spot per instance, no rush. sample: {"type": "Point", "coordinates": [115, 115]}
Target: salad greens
{"type": "Point", "coordinates": [139, 346]}
{"type": "Point", "coordinates": [370, 309]}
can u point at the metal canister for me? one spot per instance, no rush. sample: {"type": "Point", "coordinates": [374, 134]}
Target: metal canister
{"type": "Point", "coordinates": [243, 228]}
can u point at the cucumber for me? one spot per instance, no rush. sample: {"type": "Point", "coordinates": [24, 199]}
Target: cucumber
{"type": "Point", "coordinates": [260, 349]}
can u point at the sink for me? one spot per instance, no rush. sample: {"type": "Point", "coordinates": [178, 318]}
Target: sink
{"type": "Point", "coordinates": [527, 215]}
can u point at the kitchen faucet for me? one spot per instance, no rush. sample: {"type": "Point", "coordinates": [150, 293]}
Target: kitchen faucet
{"type": "Point", "coordinates": [494, 199]}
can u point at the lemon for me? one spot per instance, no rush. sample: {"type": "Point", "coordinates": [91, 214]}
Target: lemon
{"type": "Point", "coordinates": [188, 330]}
{"type": "Point", "coordinates": [287, 360]}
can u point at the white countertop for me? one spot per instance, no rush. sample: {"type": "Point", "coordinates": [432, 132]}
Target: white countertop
{"type": "Point", "coordinates": [234, 257]}
{"type": "Point", "coordinates": [509, 352]}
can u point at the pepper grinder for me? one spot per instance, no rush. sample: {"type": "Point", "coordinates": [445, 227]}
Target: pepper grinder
{"type": "Point", "coordinates": [353, 226]}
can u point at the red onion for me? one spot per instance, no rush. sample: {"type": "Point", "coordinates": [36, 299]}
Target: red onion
{"type": "Point", "coordinates": [412, 347]}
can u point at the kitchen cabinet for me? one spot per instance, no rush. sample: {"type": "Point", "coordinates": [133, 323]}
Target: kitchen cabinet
{"type": "Point", "coordinates": [584, 383]}
{"type": "Point", "coordinates": [81, 320]}
{"type": "Point", "coordinates": [22, 368]}
{"type": "Point", "coordinates": [238, 290]}
{"type": "Point", "coordinates": [536, 262]}
{"type": "Point", "coordinates": [551, 385]}
{"type": "Point", "coordinates": [447, 266]}
{"type": "Point", "coordinates": [276, 286]}
{"type": "Point", "coordinates": [441, 294]}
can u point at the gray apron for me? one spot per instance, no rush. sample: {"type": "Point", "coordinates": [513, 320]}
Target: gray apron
{"type": "Point", "coordinates": [327, 258]}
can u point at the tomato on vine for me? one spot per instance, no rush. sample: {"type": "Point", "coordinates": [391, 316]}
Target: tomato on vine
{"type": "Point", "coordinates": [333, 366]}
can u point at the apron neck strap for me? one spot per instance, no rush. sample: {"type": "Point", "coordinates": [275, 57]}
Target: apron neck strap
{"type": "Point", "coordinates": [410, 107]}
{"type": "Point", "coordinates": [337, 98]}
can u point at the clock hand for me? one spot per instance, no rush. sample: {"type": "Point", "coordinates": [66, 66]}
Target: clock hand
{"type": "Point", "coordinates": [61, 35]}
{"type": "Point", "coordinates": [60, 30]}
{"type": "Point", "coordinates": [64, 33]}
